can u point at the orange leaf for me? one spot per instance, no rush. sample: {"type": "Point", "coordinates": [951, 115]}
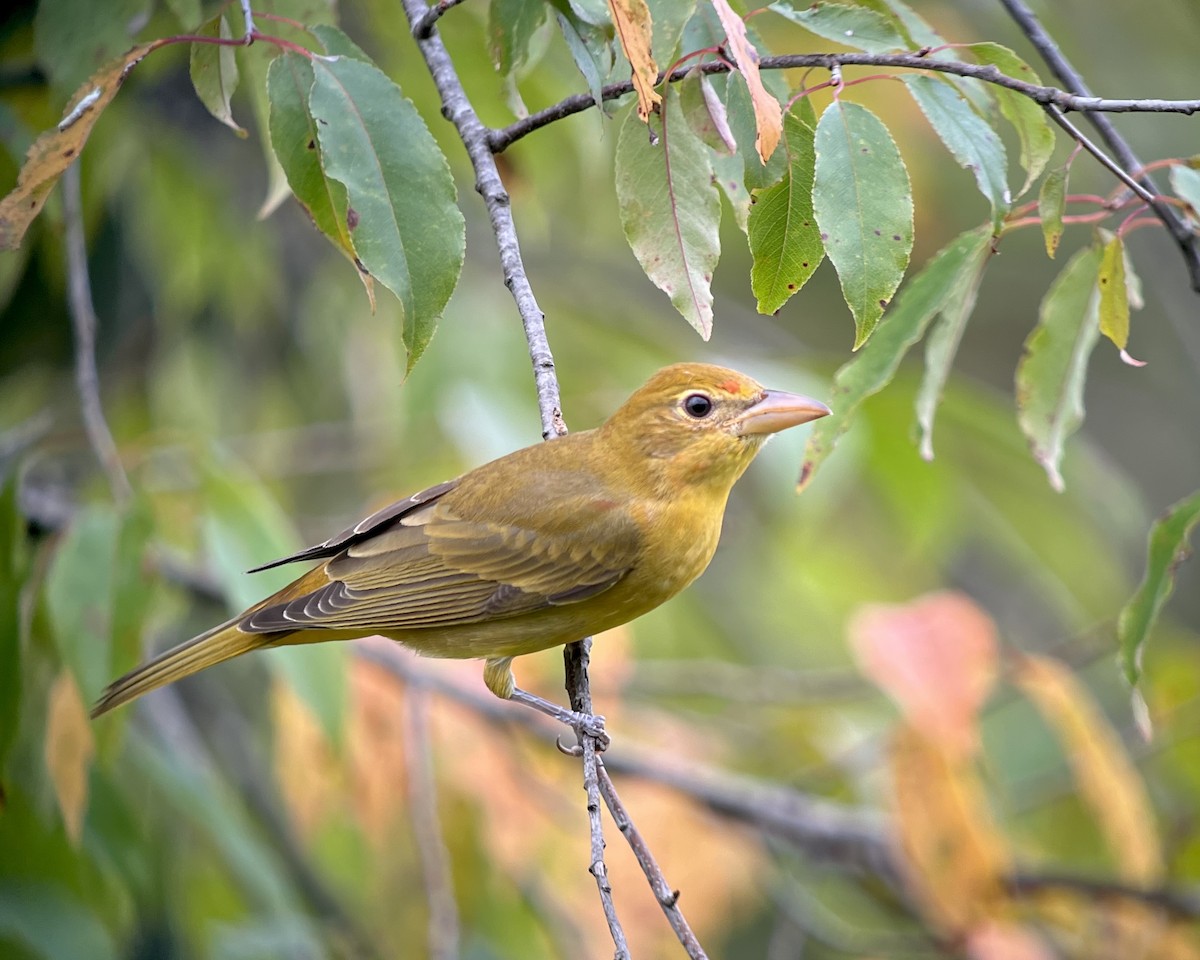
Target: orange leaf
{"type": "Point", "coordinates": [69, 749]}
{"type": "Point", "coordinates": [935, 657]}
{"type": "Point", "coordinates": [1107, 779]}
{"type": "Point", "coordinates": [632, 21]}
{"type": "Point", "coordinates": [768, 115]}
{"type": "Point", "coordinates": [954, 856]}
{"type": "Point", "coordinates": [57, 149]}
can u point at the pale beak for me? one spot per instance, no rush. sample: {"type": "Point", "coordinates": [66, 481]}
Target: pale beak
{"type": "Point", "coordinates": [777, 411]}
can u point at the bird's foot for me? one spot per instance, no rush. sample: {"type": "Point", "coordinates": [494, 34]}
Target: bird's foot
{"type": "Point", "coordinates": [585, 724]}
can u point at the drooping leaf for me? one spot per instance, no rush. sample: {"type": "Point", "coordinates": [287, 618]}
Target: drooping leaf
{"type": "Point", "coordinates": [406, 226]}
{"type": "Point", "coordinates": [635, 31]}
{"type": "Point", "coordinates": [589, 57]}
{"type": "Point", "coordinates": [941, 347]}
{"type": "Point", "coordinates": [214, 72]}
{"type": "Point", "coordinates": [1052, 371]}
{"type": "Point", "coordinates": [1114, 295]}
{"type": "Point", "coordinates": [740, 111]}
{"type": "Point", "coordinates": [785, 241]}
{"type": "Point", "coordinates": [705, 113]}
{"type": "Point", "coordinates": [1108, 780]}
{"type": "Point", "coordinates": [927, 293]}
{"type": "Point", "coordinates": [1052, 203]}
{"type": "Point", "coordinates": [768, 115]}
{"type": "Point", "coordinates": [863, 201]}
{"type": "Point", "coordinates": [1166, 549]}
{"type": "Point", "coordinates": [968, 137]}
{"type": "Point", "coordinates": [511, 26]}
{"type": "Point", "coordinates": [57, 149]}
{"type": "Point", "coordinates": [853, 26]}
{"type": "Point", "coordinates": [69, 747]}
{"type": "Point", "coordinates": [670, 210]}
{"type": "Point", "coordinates": [295, 141]}
{"type": "Point", "coordinates": [1034, 132]}
{"type": "Point", "coordinates": [730, 174]}
{"type": "Point", "coordinates": [669, 17]}
{"type": "Point", "coordinates": [244, 526]}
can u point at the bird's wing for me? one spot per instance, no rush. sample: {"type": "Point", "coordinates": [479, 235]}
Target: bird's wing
{"type": "Point", "coordinates": [366, 527]}
{"type": "Point", "coordinates": [430, 567]}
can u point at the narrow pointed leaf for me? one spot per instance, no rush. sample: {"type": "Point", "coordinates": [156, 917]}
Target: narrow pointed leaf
{"type": "Point", "coordinates": [593, 70]}
{"type": "Point", "coordinates": [634, 27]}
{"type": "Point", "coordinates": [863, 201]}
{"type": "Point", "coordinates": [214, 72]}
{"type": "Point", "coordinates": [856, 27]}
{"type": "Point", "coordinates": [668, 19]}
{"type": "Point", "coordinates": [405, 225]}
{"type": "Point", "coordinates": [1166, 549]}
{"type": "Point", "coordinates": [511, 26]}
{"type": "Point", "coordinates": [670, 210]}
{"type": "Point", "coordinates": [1051, 374]}
{"type": "Point", "coordinates": [295, 141]}
{"type": "Point", "coordinates": [872, 369]}
{"type": "Point", "coordinates": [1052, 203]}
{"type": "Point", "coordinates": [705, 113]}
{"type": "Point", "coordinates": [730, 174]}
{"type": "Point", "coordinates": [968, 137]}
{"type": "Point", "coordinates": [69, 749]}
{"type": "Point", "coordinates": [1114, 295]}
{"type": "Point", "coordinates": [942, 344]}
{"type": "Point", "coordinates": [742, 123]}
{"type": "Point", "coordinates": [768, 115]}
{"type": "Point", "coordinates": [1028, 119]}
{"type": "Point", "coordinates": [785, 241]}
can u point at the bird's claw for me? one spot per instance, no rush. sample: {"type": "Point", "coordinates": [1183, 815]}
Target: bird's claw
{"type": "Point", "coordinates": [588, 725]}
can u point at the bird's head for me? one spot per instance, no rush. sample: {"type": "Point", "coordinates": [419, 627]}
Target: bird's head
{"type": "Point", "coordinates": [696, 424]}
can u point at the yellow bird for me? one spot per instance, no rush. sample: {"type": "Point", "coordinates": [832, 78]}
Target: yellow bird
{"type": "Point", "coordinates": [539, 548]}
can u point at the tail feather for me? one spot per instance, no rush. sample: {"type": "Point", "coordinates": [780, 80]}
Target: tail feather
{"type": "Point", "coordinates": [215, 646]}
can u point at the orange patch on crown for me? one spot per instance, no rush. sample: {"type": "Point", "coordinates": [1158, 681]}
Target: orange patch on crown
{"type": "Point", "coordinates": [731, 386]}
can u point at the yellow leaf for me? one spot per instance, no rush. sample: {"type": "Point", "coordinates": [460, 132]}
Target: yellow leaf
{"type": "Point", "coordinates": [631, 18]}
{"type": "Point", "coordinates": [768, 115]}
{"type": "Point", "coordinates": [69, 749]}
{"type": "Point", "coordinates": [57, 149]}
{"type": "Point", "coordinates": [935, 657]}
{"type": "Point", "coordinates": [1108, 781]}
{"type": "Point", "coordinates": [954, 857]}
{"type": "Point", "coordinates": [1114, 296]}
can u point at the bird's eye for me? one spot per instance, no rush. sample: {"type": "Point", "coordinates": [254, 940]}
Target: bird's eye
{"type": "Point", "coordinates": [698, 405]}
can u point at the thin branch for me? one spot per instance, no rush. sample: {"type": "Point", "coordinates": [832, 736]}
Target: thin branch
{"type": "Point", "coordinates": [500, 139]}
{"type": "Point", "coordinates": [422, 798]}
{"type": "Point", "coordinates": [1105, 161]}
{"type": "Point", "coordinates": [575, 662]}
{"type": "Point", "coordinates": [458, 110]}
{"type": "Point", "coordinates": [667, 898]}
{"type": "Point", "coordinates": [423, 27]}
{"type": "Point", "coordinates": [1181, 904]}
{"type": "Point", "coordinates": [248, 23]}
{"type": "Point", "coordinates": [1074, 82]}
{"type": "Point", "coordinates": [83, 319]}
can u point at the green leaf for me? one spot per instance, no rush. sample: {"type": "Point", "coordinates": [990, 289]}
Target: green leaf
{"type": "Point", "coordinates": [740, 110]}
{"type": "Point", "coordinates": [587, 56]}
{"type": "Point", "coordinates": [1185, 181]}
{"type": "Point", "coordinates": [926, 294]}
{"type": "Point", "coordinates": [1167, 548]}
{"type": "Point", "coordinates": [705, 113]}
{"type": "Point", "coordinates": [667, 20]}
{"type": "Point", "coordinates": [730, 174]}
{"type": "Point", "coordinates": [1052, 371]}
{"type": "Point", "coordinates": [79, 595]}
{"type": "Point", "coordinates": [856, 27]}
{"type": "Point", "coordinates": [511, 26]}
{"type": "Point", "coordinates": [404, 219]}
{"type": "Point", "coordinates": [75, 38]}
{"type": "Point", "coordinates": [244, 528]}
{"type": "Point", "coordinates": [785, 241]}
{"type": "Point", "coordinates": [1114, 294]}
{"type": "Point", "coordinates": [14, 569]}
{"type": "Point", "coordinates": [1034, 132]}
{"type": "Point", "coordinates": [187, 11]}
{"type": "Point", "coordinates": [51, 923]}
{"type": "Point", "coordinates": [863, 201]}
{"type": "Point", "coordinates": [1052, 203]}
{"type": "Point", "coordinates": [214, 72]}
{"type": "Point", "coordinates": [336, 43]}
{"type": "Point", "coordinates": [942, 344]}
{"type": "Point", "coordinates": [968, 137]}
{"type": "Point", "coordinates": [670, 210]}
{"type": "Point", "coordinates": [295, 141]}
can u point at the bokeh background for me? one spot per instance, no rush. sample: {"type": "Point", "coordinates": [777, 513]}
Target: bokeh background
{"type": "Point", "coordinates": [264, 809]}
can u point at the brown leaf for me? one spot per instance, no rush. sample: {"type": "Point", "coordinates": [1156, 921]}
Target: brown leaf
{"type": "Point", "coordinates": [935, 657]}
{"type": "Point", "coordinates": [69, 749]}
{"type": "Point", "coordinates": [1108, 781]}
{"type": "Point", "coordinates": [631, 18]}
{"type": "Point", "coordinates": [768, 115]}
{"type": "Point", "coordinates": [56, 149]}
{"type": "Point", "coordinates": [954, 857]}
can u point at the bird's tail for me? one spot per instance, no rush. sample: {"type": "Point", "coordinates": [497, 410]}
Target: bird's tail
{"type": "Point", "coordinates": [215, 646]}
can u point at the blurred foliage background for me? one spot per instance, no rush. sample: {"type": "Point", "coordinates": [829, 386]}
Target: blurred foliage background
{"type": "Point", "coordinates": [262, 809]}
